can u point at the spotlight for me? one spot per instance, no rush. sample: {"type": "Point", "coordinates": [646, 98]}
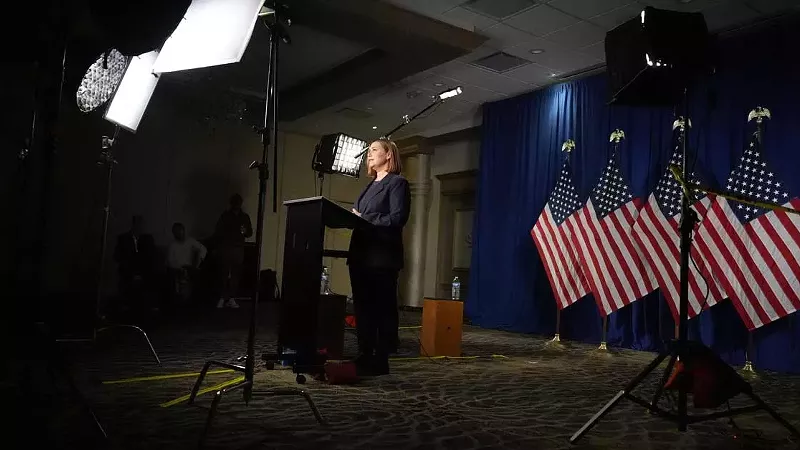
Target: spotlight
{"type": "Point", "coordinates": [100, 80]}
{"type": "Point", "coordinates": [339, 153]}
{"type": "Point", "coordinates": [449, 93]}
{"type": "Point", "coordinates": [131, 99]}
{"type": "Point", "coordinates": [212, 33]}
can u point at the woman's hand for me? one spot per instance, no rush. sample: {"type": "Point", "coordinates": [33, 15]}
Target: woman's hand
{"type": "Point", "coordinates": [356, 212]}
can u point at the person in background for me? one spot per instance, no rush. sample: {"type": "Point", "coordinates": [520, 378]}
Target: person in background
{"type": "Point", "coordinates": [135, 257]}
{"type": "Point", "coordinates": [376, 257]}
{"type": "Point", "coordinates": [233, 227]}
{"type": "Point", "coordinates": [184, 256]}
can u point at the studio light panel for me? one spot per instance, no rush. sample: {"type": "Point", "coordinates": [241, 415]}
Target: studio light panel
{"type": "Point", "coordinates": [347, 159]}
{"type": "Point", "coordinates": [212, 33]}
{"type": "Point", "coordinates": [134, 92]}
{"type": "Point", "coordinates": [100, 80]}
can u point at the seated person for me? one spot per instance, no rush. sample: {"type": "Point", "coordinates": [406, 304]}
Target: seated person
{"type": "Point", "coordinates": [184, 256]}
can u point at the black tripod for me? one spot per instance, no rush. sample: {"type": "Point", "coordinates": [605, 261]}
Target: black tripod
{"type": "Point", "coordinates": [681, 348]}
{"type": "Point", "coordinates": [269, 134]}
{"type": "Point", "coordinates": [107, 159]}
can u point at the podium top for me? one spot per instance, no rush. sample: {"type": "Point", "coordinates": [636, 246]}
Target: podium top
{"type": "Point", "coordinates": [333, 214]}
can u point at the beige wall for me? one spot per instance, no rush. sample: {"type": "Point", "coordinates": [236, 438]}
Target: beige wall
{"type": "Point", "coordinates": [452, 157]}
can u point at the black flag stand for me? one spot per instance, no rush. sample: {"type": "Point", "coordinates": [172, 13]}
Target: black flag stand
{"type": "Point", "coordinates": [690, 352]}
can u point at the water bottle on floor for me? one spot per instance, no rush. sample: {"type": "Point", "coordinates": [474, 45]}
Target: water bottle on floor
{"type": "Point", "coordinates": [455, 289]}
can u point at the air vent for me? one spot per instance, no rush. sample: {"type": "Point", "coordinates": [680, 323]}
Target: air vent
{"type": "Point", "coordinates": [500, 62]}
{"type": "Point", "coordinates": [499, 9]}
{"type": "Point", "coordinates": [351, 113]}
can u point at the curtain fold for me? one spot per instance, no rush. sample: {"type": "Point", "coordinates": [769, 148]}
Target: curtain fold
{"type": "Point", "coordinates": [521, 159]}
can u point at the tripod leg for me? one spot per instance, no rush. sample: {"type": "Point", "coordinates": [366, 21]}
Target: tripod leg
{"type": "Point", "coordinates": [613, 402]}
{"type": "Point", "coordinates": [199, 382]}
{"type": "Point", "coordinates": [210, 419]}
{"type": "Point", "coordinates": [774, 414]}
{"type": "Point", "coordinates": [664, 379]}
{"type": "Point", "coordinates": [298, 392]}
{"type": "Point", "coordinates": [141, 331]}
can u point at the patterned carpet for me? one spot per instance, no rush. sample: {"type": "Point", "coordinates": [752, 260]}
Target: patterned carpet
{"type": "Point", "coordinates": [529, 397]}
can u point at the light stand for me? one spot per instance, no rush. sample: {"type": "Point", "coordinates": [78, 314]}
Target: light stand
{"type": "Point", "coordinates": [681, 349]}
{"type": "Point", "coordinates": [269, 135]}
{"type": "Point", "coordinates": [107, 159]}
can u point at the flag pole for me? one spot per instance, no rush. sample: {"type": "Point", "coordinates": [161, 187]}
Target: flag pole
{"type": "Point", "coordinates": [748, 369]}
{"type": "Point", "coordinates": [555, 343]}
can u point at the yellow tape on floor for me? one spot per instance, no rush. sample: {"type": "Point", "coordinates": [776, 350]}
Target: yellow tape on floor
{"type": "Point", "coordinates": [202, 391]}
{"type": "Point", "coordinates": [166, 377]}
{"type": "Point", "coordinates": [415, 327]}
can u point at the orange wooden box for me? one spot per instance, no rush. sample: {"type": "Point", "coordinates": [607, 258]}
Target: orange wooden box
{"type": "Point", "coordinates": [441, 327]}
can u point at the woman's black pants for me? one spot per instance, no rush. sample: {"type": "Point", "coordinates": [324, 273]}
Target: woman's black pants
{"type": "Point", "coordinates": [375, 304]}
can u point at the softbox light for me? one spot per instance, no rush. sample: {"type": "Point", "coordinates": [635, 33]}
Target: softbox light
{"type": "Point", "coordinates": [212, 33]}
{"type": "Point", "coordinates": [339, 153]}
{"type": "Point", "coordinates": [653, 57]}
{"type": "Point", "coordinates": [134, 92]}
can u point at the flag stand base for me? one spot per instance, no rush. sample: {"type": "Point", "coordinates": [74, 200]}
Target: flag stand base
{"type": "Point", "coordinates": [555, 344]}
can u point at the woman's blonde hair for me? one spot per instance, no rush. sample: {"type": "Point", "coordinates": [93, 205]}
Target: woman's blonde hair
{"type": "Point", "coordinates": [395, 166]}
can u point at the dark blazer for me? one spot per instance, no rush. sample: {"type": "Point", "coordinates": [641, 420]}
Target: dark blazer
{"type": "Point", "coordinates": [386, 208]}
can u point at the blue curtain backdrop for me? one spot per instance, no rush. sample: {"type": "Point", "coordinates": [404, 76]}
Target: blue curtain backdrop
{"type": "Point", "coordinates": [520, 161]}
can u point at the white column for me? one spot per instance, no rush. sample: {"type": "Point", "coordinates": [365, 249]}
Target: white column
{"type": "Point", "coordinates": [415, 261]}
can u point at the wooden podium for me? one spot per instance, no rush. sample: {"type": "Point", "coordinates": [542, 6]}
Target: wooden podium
{"type": "Point", "coordinates": [310, 321]}
{"type": "Point", "coordinates": [442, 322]}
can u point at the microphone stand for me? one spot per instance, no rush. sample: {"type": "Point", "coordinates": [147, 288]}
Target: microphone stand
{"type": "Point", "coordinates": [407, 120]}
{"type": "Point", "coordinates": [681, 348]}
{"type": "Point", "coordinates": [269, 136]}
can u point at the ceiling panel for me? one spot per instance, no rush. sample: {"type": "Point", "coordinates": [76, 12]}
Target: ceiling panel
{"type": "Point", "coordinates": [597, 51]}
{"type": "Point", "coordinates": [541, 20]}
{"type": "Point", "coordinates": [499, 9]}
{"type": "Point", "coordinates": [532, 74]}
{"type": "Point", "coordinates": [464, 18]}
{"type": "Point", "coordinates": [502, 35]}
{"type": "Point", "coordinates": [427, 7]}
{"type": "Point", "coordinates": [773, 6]}
{"type": "Point", "coordinates": [479, 77]}
{"type": "Point", "coordinates": [686, 6]}
{"type": "Point", "coordinates": [579, 35]}
{"type": "Point", "coordinates": [555, 57]}
{"type": "Point", "coordinates": [588, 8]}
{"type": "Point", "coordinates": [723, 16]}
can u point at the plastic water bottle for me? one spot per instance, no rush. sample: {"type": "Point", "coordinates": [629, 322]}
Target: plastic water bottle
{"type": "Point", "coordinates": [325, 286]}
{"type": "Point", "coordinates": [455, 289]}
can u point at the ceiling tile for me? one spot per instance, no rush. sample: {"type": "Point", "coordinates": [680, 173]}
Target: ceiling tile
{"type": "Point", "coordinates": [502, 35]}
{"type": "Point", "coordinates": [597, 51]}
{"type": "Point", "coordinates": [427, 7]}
{"type": "Point", "coordinates": [464, 18]}
{"type": "Point", "coordinates": [541, 20]}
{"type": "Point", "coordinates": [579, 35]}
{"type": "Point", "coordinates": [476, 76]}
{"type": "Point", "coordinates": [773, 6]}
{"type": "Point", "coordinates": [692, 6]}
{"type": "Point", "coordinates": [532, 73]}
{"type": "Point", "coordinates": [725, 16]}
{"type": "Point", "coordinates": [499, 9]}
{"type": "Point", "coordinates": [612, 19]}
{"type": "Point", "coordinates": [587, 8]}
{"type": "Point", "coordinates": [559, 60]}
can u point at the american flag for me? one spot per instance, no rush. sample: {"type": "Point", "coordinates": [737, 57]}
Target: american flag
{"type": "Point", "coordinates": [657, 236]}
{"type": "Point", "coordinates": [604, 245]}
{"type": "Point", "coordinates": [552, 233]}
{"type": "Point", "coordinates": [753, 251]}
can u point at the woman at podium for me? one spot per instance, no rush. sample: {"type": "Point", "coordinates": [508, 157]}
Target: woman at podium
{"type": "Point", "coordinates": [376, 257]}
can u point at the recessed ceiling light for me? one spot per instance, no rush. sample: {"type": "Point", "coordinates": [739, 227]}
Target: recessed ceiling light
{"type": "Point", "coordinates": [374, 128]}
{"type": "Point", "coordinates": [537, 51]}
{"type": "Point", "coordinates": [553, 75]}
{"type": "Point", "coordinates": [437, 84]}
